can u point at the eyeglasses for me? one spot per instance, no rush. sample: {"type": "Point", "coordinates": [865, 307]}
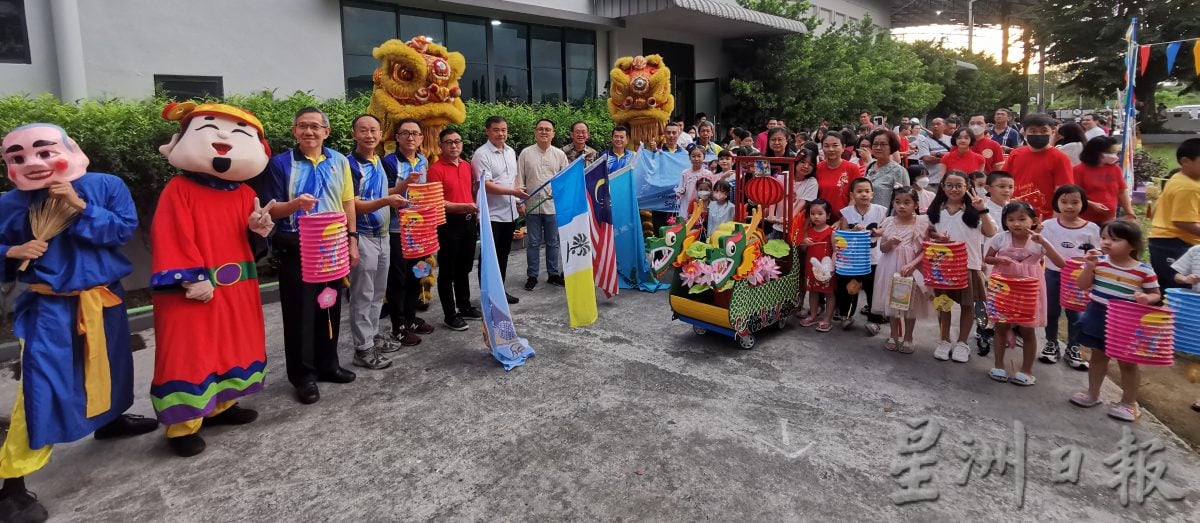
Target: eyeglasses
{"type": "Point", "coordinates": [880, 144]}
{"type": "Point", "coordinates": [409, 134]}
{"type": "Point", "coordinates": [953, 186]}
{"type": "Point", "coordinates": [452, 142]}
{"type": "Point", "coordinates": [310, 126]}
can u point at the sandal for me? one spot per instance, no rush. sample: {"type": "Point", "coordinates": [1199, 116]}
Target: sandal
{"type": "Point", "coordinates": [1085, 400]}
{"type": "Point", "coordinates": [890, 344]}
{"type": "Point", "coordinates": [808, 322]}
{"type": "Point", "coordinates": [824, 326]}
{"type": "Point", "coordinates": [1124, 412]}
{"type": "Point", "coordinates": [1196, 406]}
{"type": "Point", "coordinates": [906, 347]}
{"type": "Point", "coordinates": [872, 328]}
{"type": "Point", "coordinates": [1023, 380]}
{"type": "Point", "coordinates": [998, 374]}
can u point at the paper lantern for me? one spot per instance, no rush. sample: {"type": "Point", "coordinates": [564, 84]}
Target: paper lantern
{"type": "Point", "coordinates": [1186, 306]}
{"type": "Point", "coordinates": [324, 247]}
{"type": "Point", "coordinates": [1012, 299]}
{"type": "Point", "coordinates": [945, 265]}
{"type": "Point", "coordinates": [429, 195]}
{"type": "Point", "coordinates": [1069, 294]}
{"type": "Point", "coordinates": [1140, 334]}
{"type": "Point", "coordinates": [764, 190]}
{"type": "Point", "coordinates": [852, 252]}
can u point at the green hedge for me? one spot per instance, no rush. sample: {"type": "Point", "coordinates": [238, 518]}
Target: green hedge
{"type": "Point", "coordinates": [122, 136]}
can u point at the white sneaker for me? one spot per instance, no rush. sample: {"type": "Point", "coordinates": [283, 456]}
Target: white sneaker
{"type": "Point", "coordinates": [962, 352]}
{"type": "Point", "coordinates": [942, 352]}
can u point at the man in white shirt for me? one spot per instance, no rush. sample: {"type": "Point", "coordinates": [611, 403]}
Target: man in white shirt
{"type": "Point", "coordinates": [537, 164]}
{"type": "Point", "coordinates": [1091, 128]}
{"type": "Point", "coordinates": [495, 166]}
{"type": "Point", "coordinates": [931, 148]}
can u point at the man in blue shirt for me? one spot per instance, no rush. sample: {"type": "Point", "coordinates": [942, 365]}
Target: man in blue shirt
{"type": "Point", "coordinates": [1008, 137]}
{"type": "Point", "coordinates": [309, 178]}
{"type": "Point", "coordinates": [618, 155]}
{"type": "Point", "coordinates": [406, 165]}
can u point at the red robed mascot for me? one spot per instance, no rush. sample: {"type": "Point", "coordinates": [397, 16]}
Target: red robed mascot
{"type": "Point", "coordinates": [208, 319]}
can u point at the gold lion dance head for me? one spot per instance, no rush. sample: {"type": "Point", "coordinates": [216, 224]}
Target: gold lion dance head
{"type": "Point", "coordinates": [417, 79]}
{"type": "Point", "coordinates": [640, 97]}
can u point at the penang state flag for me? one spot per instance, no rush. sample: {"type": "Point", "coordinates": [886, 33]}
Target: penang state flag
{"type": "Point", "coordinates": [604, 263]}
{"type": "Point", "coordinates": [575, 242]}
{"type": "Point", "coordinates": [499, 332]}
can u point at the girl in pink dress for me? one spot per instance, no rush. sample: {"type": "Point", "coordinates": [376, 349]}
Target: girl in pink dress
{"type": "Point", "coordinates": [1018, 251]}
{"type": "Point", "coordinates": [900, 237]}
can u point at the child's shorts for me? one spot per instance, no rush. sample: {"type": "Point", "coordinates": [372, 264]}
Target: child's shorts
{"type": "Point", "coordinates": [1091, 326]}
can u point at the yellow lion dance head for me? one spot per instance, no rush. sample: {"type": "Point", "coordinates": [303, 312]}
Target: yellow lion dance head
{"type": "Point", "coordinates": [417, 79]}
{"type": "Point", "coordinates": [640, 97]}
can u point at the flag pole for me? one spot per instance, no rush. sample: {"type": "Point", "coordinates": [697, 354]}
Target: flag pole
{"type": "Point", "coordinates": [1128, 139]}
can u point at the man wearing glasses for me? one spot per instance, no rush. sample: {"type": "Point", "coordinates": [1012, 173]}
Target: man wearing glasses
{"type": "Point", "coordinates": [578, 146]}
{"type": "Point", "coordinates": [406, 165]}
{"type": "Point", "coordinates": [309, 178]}
{"type": "Point", "coordinates": [537, 164]}
{"type": "Point", "coordinates": [457, 236]}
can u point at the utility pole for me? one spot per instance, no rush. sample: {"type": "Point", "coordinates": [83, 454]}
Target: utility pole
{"type": "Point", "coordinates": [970, 26]}
{"type": "Point", "coordinates": [1004, 32]}
{"type": "Point", "coordinates": [1041, 77]}
{"type": "Point", "coordinates": [1025, 52]}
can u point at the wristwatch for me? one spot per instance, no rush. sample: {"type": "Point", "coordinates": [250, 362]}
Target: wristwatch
{"type": "Point", "coordinates": [985, 211]}
{"type": "Point", "coordinates": [352, 234]}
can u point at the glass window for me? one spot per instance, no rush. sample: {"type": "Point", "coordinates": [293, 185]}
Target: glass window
{"type": "Point", "coordinates": [547, 85]}
{"type": "Point", "coordinates": [581, 49]}
{"type": "Point", "coordinates": [545, 46]}
{"type": "Point", "coordinates": [364, 28]}
{"type": "Point", "coordinates": [509, 43]}
{"type": "Point", "coordinates": [359, 71]}
{"type": "Point", "coordinates": [190, 87]}
{"type": "Point", "coordinates": [511, 84]}
{"type": "Point", "coordinates": [467, 36]}
{"type": "Point", "coordinates": [422, 23]}
{"type": "Point", "coordinates": [474, 82]}
{"type": "Point", "coordinates": [581, 84]}
{"type": "Point", "coordinates": [14, 35]}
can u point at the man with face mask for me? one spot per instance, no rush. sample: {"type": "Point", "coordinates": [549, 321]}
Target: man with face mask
{"type": "Point", "coordinates": [76, 365]}
{"type": "Point", "coordinates": [210, 345]}
{"type": "Point", "coordinates": [991, 151]}
{"type": "Point", "coordinates": [1038, 168]}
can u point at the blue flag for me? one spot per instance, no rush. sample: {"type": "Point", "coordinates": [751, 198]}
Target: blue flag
{"type": "Point", "coordinates": [656, 174]}
{"type": "Point", "coordinates": [633, 270]}
{"type": "Point", "coordinates": [508, 348]}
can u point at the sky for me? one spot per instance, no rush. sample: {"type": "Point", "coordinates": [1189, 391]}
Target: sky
{"type": "Point", "coordinates": [987, 39]}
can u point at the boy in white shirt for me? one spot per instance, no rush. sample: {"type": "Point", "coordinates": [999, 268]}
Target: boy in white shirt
{"type": "Point", "coordinates": [860, 215]}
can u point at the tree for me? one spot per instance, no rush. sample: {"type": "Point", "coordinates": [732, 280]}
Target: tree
{"type": "Point", "coordinates": [834, 75]}
{"type": "Point", "coordinates": [1086, 38]}
{"type": "Point", "coordinates": [969, 91]}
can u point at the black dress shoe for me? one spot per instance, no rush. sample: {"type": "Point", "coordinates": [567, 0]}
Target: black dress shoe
{"type": "Point", "coordinates": [472, 313]}
{"type": "Point", "coordinates": [512, 300]}
{"type": "Point", "coordinates": [126, 425]}
{"type": "Point", "coordinates": [556, 281]}
{"type": "Point", "coordinates": [22, 506]}
{"type": "Point", "coordinates": [308, 393]}
{"type": "Point", "coordinates": [530, 284]}
{"type": "Point", "coordinates": [338, 375]}
{"type": "Point", "coordinates": [187, 446]}
{"type": "Point", "coordinates": [234, 415]}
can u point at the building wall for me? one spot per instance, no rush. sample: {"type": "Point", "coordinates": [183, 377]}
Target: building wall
{"type": "Point", "coordinates": [845, 10]}
{"type": "Point", "coordinates": [41, 75]}
{"type": "Point", "coordinates": [628, 42]}
{"type": "Point", "coordinates": [248, 44]}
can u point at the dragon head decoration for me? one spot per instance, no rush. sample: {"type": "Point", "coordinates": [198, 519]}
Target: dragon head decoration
{"type": "Point", "coordinates": [669, 245]}
{"type": "Point", "coordinates": [640, 97]}
{"type": "Point", "coordinates": [417, 79]}
{"type": "Point", "coordinates": [736, 246]}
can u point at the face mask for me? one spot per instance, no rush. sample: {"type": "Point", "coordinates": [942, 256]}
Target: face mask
{"type": "Point", "coordinates": [703, 195]}
{"type": "Point", "coordinates": [923, 182]}
{"type": "Point", "coordinates": [977, 129]}
{"type": "Point", "coordinates": [1038, 141]}
{"type": "Point", "coordinates": [1109, 158]}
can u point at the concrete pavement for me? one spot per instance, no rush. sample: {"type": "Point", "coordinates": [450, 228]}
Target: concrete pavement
{"type": "Point", "coordinates": [634, 418]}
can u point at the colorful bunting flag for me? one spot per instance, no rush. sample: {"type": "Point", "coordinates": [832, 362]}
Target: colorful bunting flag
{"type": "Point", "coordinates": [1143, 59]}
{"type": "Point", "coordinates": [1172, 51]}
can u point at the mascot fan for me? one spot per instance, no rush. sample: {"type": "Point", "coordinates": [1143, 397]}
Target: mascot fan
{"type": "Point", "coordinates": [640, 97]}
{"type": "Point", "coordinates": [208, 319]}
{"type": "Point", "coordinates": [61, 233]}
{"type": "Point", "coordinates": [417, 80]}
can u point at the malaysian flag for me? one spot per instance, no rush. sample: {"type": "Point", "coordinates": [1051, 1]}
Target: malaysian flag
{"type": "Point", "coordinates": [604, 263]}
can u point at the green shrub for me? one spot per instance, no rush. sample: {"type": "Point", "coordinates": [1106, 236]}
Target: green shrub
{"type": "Point", "coordinates": [122, 136]}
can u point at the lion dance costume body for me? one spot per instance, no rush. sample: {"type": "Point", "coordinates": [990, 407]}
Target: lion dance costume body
{"type": "Point", "coordinates": [640, 97]}
{"type": "Point", "coordinates": [417, 79]}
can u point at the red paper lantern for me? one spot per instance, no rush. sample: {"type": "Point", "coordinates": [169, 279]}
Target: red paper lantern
{"type": "Point", "coordinates": [764, 190]}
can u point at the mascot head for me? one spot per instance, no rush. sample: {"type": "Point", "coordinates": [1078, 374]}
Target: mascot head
{"type": "Point", "coordinates": [640, 96]}
{"type": "Point", "coordinates": [40, 154]}
{"type": "Point", "coordinates": [216, 139]}
{"type": "Point", "coordinates": [417, 79]}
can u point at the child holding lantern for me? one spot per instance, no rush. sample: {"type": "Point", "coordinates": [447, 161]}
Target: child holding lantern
{"type": "Point", "coordinates": [958, 214]}
{"type": "Point", "coordinates": [900, 254]}
{"type": "Point", "coordinates": [1018, 252]}
{"type": "Point", "coordinates": [1113, 273]}
{"type": "Point", "coordinates": [1072, 237]}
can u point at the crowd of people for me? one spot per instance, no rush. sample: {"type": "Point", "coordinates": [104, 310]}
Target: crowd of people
{"type": "Point", "coordinates": [1022, 201]}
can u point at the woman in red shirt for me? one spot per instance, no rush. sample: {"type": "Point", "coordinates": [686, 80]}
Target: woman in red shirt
{"type": "Point", "coordinates": [1102, 181]}
{"type": "Point", "coordinates": [962, 158]}
{"type": "Point", "coordinates": [834, 174]}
